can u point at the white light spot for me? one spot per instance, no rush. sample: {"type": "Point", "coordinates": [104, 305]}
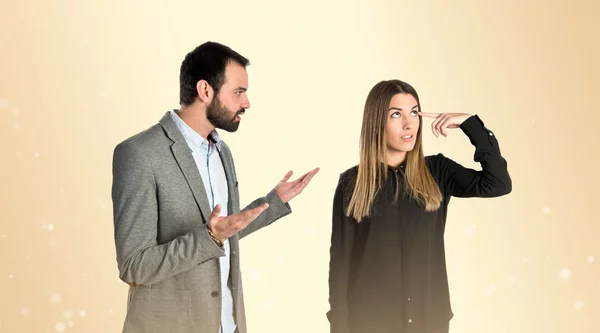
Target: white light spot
{"type": "Point", "coordinates": [68, 314]}
{"type": "Point", "coordinates": [100, 203]}
{"type": "Point", "coordinates": [71, 324]}
{"type": "Point", "coordinates": [564, 274]}
{"type": "Point", "coordinates": [24, 311]}
{"type": "Point", "coordinates": [61, 190]}
{"type": "Point", "coordinates": [56, 298]}
{"type": "Point", "coordinates": [110, 310]}
{"type": "Point", "coordinates": [578, 305]}
{"type": "Point", "coordinates": [11, 276]}
{"type": "Point", "coordinates": [268, 305]}
{"type": "Point", "coordinates": [470, 230]}
{"type": "Point", "coordinates": [590, 259]}
{"type": "Point", "coordinates": [3, 103]}
{"type": "Point", "coordinates": [309, 231]}
{"type": "Point", "coordinates": [3, 236]}
{"type": "Point", "coordinates": [254, 274]}
{"type": "Point", "coordinates": [17, 126]}
{"type": "Point", "coordinates": [15, 111]}
{"type": "Point", "coordinates": [102, 94]}
{"type": "Point", "coordinates": [533, 121]}
{"type": "Point", "coordinates": [36, 154]}
{"type": "Point", "coordinates": [511, 278]}
{"type": "Point", "coordinates": [546, 210]}
{"type": "Point", "coordinates": [82, 313]}
{"type": "Point", "coordinates": [60, 327]}
{"type": "Point", "coordinates": [50, 227]}
{"type": "Point", "coordinates": [524, 260]}
{"type": "Point", "coordinates": [280, 259]}
{"type": "Point", "coordinates": [491, 288]}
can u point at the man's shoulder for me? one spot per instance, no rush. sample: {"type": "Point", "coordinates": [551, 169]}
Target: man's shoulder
{"type": "Point", "coordinates": [146, 140]}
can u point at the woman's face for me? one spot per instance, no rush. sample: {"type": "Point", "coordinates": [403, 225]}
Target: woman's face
{"type": "Point", "coordinates": [402, 125]}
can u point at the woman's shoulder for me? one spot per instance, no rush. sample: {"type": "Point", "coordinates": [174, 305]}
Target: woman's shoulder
{"type": "Point", "coordinates": [434, 161]}
{"type": "Point", "coordinates": [347, 179]}
{"type": "Point", "coordinates": [349, 173]}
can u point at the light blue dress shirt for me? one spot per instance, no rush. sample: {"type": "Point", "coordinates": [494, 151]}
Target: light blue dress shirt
{"type": "Point", "coordinates": [206, 155]}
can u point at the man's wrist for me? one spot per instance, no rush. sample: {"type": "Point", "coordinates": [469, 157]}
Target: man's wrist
{"type": "Point", "coordinates": [215, 239]}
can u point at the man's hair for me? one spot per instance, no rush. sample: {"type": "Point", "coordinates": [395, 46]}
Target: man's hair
{"type": "Point", "coordinates": [206, 62]}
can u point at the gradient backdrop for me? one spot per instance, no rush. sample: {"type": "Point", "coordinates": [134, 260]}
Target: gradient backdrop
{"type": "Point", "coordinates": [77, 77]}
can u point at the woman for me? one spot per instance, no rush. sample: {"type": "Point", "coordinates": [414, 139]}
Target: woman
{"type": "Point", "coordinates": [387, 265]}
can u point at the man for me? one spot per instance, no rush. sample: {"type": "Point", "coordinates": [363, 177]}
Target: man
{"type": "Point", "coordinates": [176, 205]}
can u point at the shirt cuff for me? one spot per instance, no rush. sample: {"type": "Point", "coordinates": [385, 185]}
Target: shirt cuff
{"type": "Point", "coordinates": [277, 205]}
{"type": "Point", "coordinates": [475, 129]}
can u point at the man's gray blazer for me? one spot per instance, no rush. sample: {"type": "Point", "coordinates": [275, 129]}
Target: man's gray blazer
{"type": "Point", "coordinates": [163, 248]}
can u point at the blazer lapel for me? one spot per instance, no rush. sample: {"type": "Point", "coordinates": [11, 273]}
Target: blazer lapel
{"type": "Point", "coordinates": [232, 190]}
{"type": "Point", "coordinates": [188, 166]}
{"type": "Point", "coordinates": [233, 206]}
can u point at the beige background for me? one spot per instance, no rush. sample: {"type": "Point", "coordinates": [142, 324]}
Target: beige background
{"type": "Point", "coordinates": [77, 77]}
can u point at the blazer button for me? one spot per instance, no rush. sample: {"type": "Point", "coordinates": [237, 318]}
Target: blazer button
{"type": "Point", "coordinates": [215, 294]}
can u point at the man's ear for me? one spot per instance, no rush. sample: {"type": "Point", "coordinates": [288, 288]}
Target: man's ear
{"type": "Point", "coordinates": [205, 91]}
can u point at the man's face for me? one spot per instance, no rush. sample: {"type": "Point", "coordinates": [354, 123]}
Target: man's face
{"type": "Point", "coordinates": [231, 102]}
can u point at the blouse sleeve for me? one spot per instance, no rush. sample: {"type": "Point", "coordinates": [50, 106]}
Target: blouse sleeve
{"type": "Point", "coordinates": [493, 180]}
{"type": "Point", "coordinates": [342, 239]}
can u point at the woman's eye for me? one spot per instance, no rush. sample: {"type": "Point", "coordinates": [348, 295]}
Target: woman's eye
{"type": "Point", "coordinates": [396, 114]}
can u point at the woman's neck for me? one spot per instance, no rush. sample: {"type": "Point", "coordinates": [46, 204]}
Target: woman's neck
{"type": "Point", "coordinates": [394, 159]}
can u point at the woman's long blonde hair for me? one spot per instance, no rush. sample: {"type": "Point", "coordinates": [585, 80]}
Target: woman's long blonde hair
{"type": "Point", "coordinates": [373, 170]}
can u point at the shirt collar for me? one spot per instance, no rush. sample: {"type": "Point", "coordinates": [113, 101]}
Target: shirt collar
{"type": "Point", "coordinates": [193, 139]}
{"type": "Point", "coordinates": [401, 166]}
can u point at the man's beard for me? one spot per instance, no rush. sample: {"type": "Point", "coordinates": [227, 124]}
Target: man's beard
{"type": "Point", "coordinates": [221, 117]}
